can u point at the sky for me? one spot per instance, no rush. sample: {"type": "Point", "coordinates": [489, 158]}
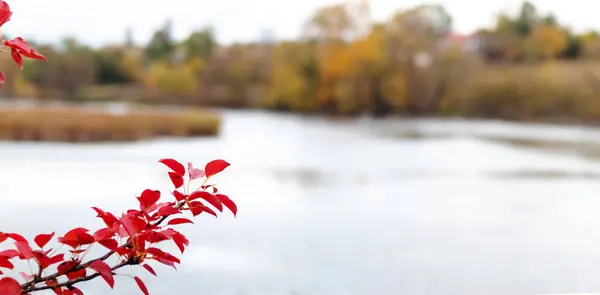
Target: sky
{"type": "Point", "coordinates": [99, 22]}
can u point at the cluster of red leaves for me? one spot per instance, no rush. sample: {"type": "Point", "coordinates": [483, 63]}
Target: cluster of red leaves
{"type": "Point", "coordinates": [133, 237]}
{"type": "Point", "coordinates": [18, 47]}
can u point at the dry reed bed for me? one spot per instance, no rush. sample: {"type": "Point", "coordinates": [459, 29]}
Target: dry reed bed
{"type": "Point", "coordinates": [74, 124]}
{"type": "Point", "coordinates": [553, 90]}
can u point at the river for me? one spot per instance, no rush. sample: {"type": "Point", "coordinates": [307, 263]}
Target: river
{"type": "Point", "coordinates": [360, 207]}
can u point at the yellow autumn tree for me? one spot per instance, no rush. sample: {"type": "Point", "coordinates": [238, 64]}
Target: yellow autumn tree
{"type": "Point", "coordinates": [131, 64]}
{"type": "Point", "coordinates": [175, 80]}
{"type": "Point", "coordinates": [292, 81]}
{"type": "Point", "coordinates": [545, 42]}
{"type": "Point", "coordinates": [338, 67]}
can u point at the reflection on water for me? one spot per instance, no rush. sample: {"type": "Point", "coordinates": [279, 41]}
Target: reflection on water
{"type": "Point", "coordinates": [582, 141]}
{"type": "Point", "coordinates": [509, 174]}
{"type": "Point", "coordinates": [344, 207]}
{"type": "Point", "coordinates": [589, 150]}
{"type": "Point", "coordinates": [545, 174]}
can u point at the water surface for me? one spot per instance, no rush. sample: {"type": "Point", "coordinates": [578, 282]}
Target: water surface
{"type": "Point", "coordinates": [344, 207]}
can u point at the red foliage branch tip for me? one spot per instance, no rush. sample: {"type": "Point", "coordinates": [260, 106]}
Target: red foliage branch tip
{"type": "Point", "coordinates": [17, 47]}
{"type": "Point", "coordinates": [133, 238]}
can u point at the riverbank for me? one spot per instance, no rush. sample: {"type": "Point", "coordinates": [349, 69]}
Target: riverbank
{"type": "Point", "coordinates": [69, 123]}
{"type": "Point", "coordinates": [555, 91]}
{"type": "Point", "coordinates": [552, 91]}
{"type": "Point", "coordinates": [558, 92]}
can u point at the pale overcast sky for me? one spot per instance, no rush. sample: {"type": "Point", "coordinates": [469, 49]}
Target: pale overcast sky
{"type": "Point", "coordinates": [98, 22]}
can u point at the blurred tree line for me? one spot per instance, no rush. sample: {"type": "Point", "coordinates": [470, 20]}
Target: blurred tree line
{"type": "Point", "coordinates": [413, 63]}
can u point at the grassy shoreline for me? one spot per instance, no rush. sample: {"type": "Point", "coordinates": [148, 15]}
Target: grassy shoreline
{"type": "Point", "coordinates": [78, 124]}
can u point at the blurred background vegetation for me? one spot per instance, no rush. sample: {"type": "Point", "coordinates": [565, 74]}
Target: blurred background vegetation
{"type": "Point", "coordinates": [527, 67]}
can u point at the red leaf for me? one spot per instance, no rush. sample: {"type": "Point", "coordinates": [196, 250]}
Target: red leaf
{"type": "Point", "coordinates": [66, 267]}
{"type": "Point", "coordinates": [124, 251]}
{"type": "Point", "coordinates": [168, 210]}
{"type": "Point", "coordinates": [76, 291]}
{"type": "Point", "coordinates": [174, 165]}
{"type": "Point", "coordinates": [4, 262]}
{"type": "Point", "coordinates": [104, 233]}
{"type": "Point", "coordinates": [209, 211]}
{"type": "Point", "coordinates": [105, 271]}
{"type": "Point", "coordinates": [148, 198]}
{"type": "Point", "coordinates": [76, 274]}
{"type": "Point", "coordinates": [84, 238]}
{"type": "Point", "coordinates": [108, 218]}
{"type": "Point", "coordinates": [42, 239]}
{"type": "Point", "coordinates": [210, 198]}
{"type": "Point", "coordinates": [10, 286]}
{"type": "Point", "coordinates": [165, 262]}
{"type": "Point", "coordinates": [176, 179]}
{"type": "Point", "coordinates": [169, 232]}
{"type": "Point", "coordinates": [197, 208]}
{"type": "Point", "coordinates": [22, 48]}
{"type": "Point", "coordinates": [132, 223]}
{"type": "Point", "coordinates": [109, 243]}
{"type": "Point", "coordinates": [228, 203]}
{"type": "Point", "coordinates": [214, 167]}
{"type": "Point", "coordinates": [17, 237]}
{"type": "Point", "coordinates": [195, 173]}
{"type": "Point", "coordinates": [2, 80]}
{"type": "Point", "coordinates": [162, 254]}
{"type": "Point", "coordinates": [180, 240]}
{"type": "Point", "coordinates": [179, 196]}
{"type": "Point", "coordinates": [76, 237]}
{"type": "Point", "coordinates": [24, 249]}
{"type": "Point", "coordinates": [153, 237]}
{"type": "Point", "coordinates": [175, 221]}
{"type": "Point", "coordinates": [10, 253]}
{"type": "Point", "coordinates": [5, 13]}
{"type": "Point", "coordinates": [149, 269]}
{"type": "Point", "coordinates": [17, 58]}
{"type": "Point", "coordinates": [45, 262]}
{"type": "Point", "coordinates": [139, 283]}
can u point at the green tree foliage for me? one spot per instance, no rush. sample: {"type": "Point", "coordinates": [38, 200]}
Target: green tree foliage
{"type": "Point", "coordinates": [200, 44]}
{"type": "Point", "coordinates": [162, 45]}
{"type": "Point", "coordinates": [109, 66]}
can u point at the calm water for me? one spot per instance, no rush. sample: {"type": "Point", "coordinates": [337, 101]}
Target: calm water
{"type": "Point", "coordinates": [332, 208]}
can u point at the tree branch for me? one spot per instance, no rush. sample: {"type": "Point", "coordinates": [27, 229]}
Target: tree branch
{"type": "Point", "coordinates": [30, 285]}
{"type": "Point", "coordinates": [70, 283]}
